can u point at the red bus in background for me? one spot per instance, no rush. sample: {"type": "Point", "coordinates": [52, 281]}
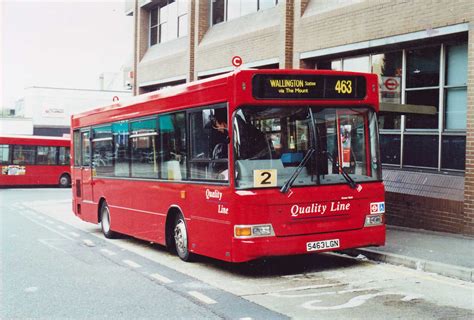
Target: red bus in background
{"type": "Point", "coordinates": [245, 165]}
{"type": "Point", "coordinates": [34, 160]}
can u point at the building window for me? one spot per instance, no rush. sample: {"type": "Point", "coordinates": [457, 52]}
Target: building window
{"type": "Point", "coordinates": [226, 10]}
{"type": "Point", "coordinates": [183, 23]}
{"type": "Point", "coordinates": [456, 86]}
{"type": "Point", "coordinates": [423, 102]}
{"type": "Point", "coordinates": [153, 27]}
{"type": "Point", "coordinates": [168, 21]}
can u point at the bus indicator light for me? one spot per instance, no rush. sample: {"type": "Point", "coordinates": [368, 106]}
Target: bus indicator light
{"type": "Point", "coordinates": [243, 231]}
{"type": "Point", "coordinates": [253, 231]}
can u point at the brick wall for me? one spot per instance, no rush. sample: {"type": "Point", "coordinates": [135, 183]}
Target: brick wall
{"type": "Point", "coordinates": [428, 201]}
{"type": "Point", "coordinates": [469, 184]}
{"type": "Point", "coordinates": [424, 213]}
{"type": "Point", "coordinates": [289, 33]}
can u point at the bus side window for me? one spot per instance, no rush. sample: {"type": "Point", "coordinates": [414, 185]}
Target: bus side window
{"type": "Point", "coordinates": [64, 156]}
{"type": "Point", "coordinates": [144, 148]}
{"type": "Point", "coordinates": [5, 154]}
{"type": "Point", "coordinates": [77, 148]}
{"type": "Point", "coordinates": [86, 149]}
{"type": "Point", "coordinates": [120, 133]}
{"type": "Point", "coordinates": [209, 143]}
{"type": "Point", "coordinates": [23, 155]}
{"type": "Point", "coordinates": [172, 133]}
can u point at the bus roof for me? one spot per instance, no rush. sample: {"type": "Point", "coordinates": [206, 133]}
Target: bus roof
{"type": "Point", "coordinates": [14, 136]}
{"type": "Point", "coordinates": [120, 108]}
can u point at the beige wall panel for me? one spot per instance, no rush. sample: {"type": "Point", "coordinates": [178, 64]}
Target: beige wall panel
{"type": "Point", "coordinates": [373, 19]}
{"type": "Point", "coordinates": [164, 61]}
{"type": "Point", "coordinates": [254, 37]}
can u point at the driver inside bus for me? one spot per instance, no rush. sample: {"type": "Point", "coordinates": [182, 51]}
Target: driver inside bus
{"type": "Point", "coordinates": [219, 140]}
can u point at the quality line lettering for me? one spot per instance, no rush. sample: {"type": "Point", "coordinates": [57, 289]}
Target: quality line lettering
{"type": "Point", "coordinates": [216, 194]}
{"type": "Point", "coordinates": [297, 210]}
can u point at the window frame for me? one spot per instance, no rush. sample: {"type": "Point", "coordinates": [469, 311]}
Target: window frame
{"type": "Point", "coordinates": [441, 132]}
{"type": "Point", "coordinates": [131, 136]}
{"type": "Point", "coordinates": [10, 154]}
{"type": "Point", "coordinates": [209, 160]}
{"type": "Point", "coordinates": [225, 17]}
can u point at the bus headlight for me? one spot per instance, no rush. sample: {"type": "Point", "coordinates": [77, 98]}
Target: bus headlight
{"type": "Point", "coordinates": [374, 220]}
{"type": "Point", "coordinates": [253, 231]}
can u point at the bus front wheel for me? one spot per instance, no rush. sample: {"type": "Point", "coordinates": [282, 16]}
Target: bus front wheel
{"type": "Point", "coordinates": [180, 235]}
{"type": "Point", "coordinates": [105, 222]}
{"type": "Point", "coordinates": [64, 181]}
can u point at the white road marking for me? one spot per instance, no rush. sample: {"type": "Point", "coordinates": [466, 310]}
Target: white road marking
{"type": "Point", "coordinates": [31, 289]}
{"type": "Point", "coordinates": [88, 243]}
{"type": "Point", "coordinates": [48, 243]}
{"type": "Point", "coordinates": [61, 228]}
{"type": "Point", "coordinates": [107, 251]}
{"type": "Point", "coordinates": [161, 278]}
{"type": "Point", "coordinates": [74, 234]}
{"type": "Point", "coordinates": [50, 222]}
{"type": "Point", "coordinates": [47, 227]}
{"type": "Point", "coordinates": [201, 297]}
{"type": "Point", "coordinates": [131, 263]}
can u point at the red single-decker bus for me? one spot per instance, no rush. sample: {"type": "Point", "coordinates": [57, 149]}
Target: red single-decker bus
{"type": "Point", "coordinates": [34, 161]}
{"type": "Point", "coordinates": [245, 165]}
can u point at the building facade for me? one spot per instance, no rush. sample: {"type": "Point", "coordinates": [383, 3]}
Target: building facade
{"type": "Point", "coordinates": [46, 111]}
{"type": "Point", "coordinates": [422, 51]}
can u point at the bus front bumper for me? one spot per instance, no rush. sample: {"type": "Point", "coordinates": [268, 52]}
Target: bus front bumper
{"type": "Point", "coordinates": [251, 249]}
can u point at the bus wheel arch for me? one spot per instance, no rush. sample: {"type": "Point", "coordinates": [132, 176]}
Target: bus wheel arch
{"type": "Point", "coordinates": [177, 234]}
{"type": "Point", "coordinates": [64, 180]}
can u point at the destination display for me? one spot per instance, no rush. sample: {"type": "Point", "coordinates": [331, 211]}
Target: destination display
{"type": "Point", "coordinates": [308, 87]}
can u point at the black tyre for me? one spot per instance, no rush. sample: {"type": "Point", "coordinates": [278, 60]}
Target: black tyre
{"type": "Point", "coordinates": [180, 236]}
{"type": "Point", "coordinates": [65, 181]}
{"type": "Point", "coordinates": [105, 222]}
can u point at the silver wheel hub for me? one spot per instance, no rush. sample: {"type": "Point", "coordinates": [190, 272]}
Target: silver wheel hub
{"type": "Point", "coordinates": [180, 237]}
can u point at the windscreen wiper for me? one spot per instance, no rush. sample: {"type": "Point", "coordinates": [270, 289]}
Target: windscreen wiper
{"type": "Point", "coordinates": [344, 173]}
{"type": "Point", "coordinates": [291, 180]}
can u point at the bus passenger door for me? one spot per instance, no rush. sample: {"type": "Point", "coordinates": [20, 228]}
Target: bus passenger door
{"type": "Point", "coordinates": [89, 213]}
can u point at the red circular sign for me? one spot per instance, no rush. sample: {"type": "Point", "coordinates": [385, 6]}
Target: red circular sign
{"type": "Point", "coordinates": [391, 84]}
{"type": "Point", "coordinates": [236, 61]}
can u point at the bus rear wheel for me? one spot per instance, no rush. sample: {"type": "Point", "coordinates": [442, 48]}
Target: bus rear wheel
{"type": "Point", "coordinates": [180, 235]}
{"type": "Point", "coordinates": [65, 181]}
{"type": "Point", "coordinates": [105, 222]}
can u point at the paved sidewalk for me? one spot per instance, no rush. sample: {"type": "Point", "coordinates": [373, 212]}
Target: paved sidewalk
{"type": "Point", "coordinates": [443, 253]}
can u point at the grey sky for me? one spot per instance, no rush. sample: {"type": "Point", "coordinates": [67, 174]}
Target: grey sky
{"type": "Point", "coordinates": [64, 44]}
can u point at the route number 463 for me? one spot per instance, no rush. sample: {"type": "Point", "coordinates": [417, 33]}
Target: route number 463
{"type": "Point", "coordinates": [344, 86]}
